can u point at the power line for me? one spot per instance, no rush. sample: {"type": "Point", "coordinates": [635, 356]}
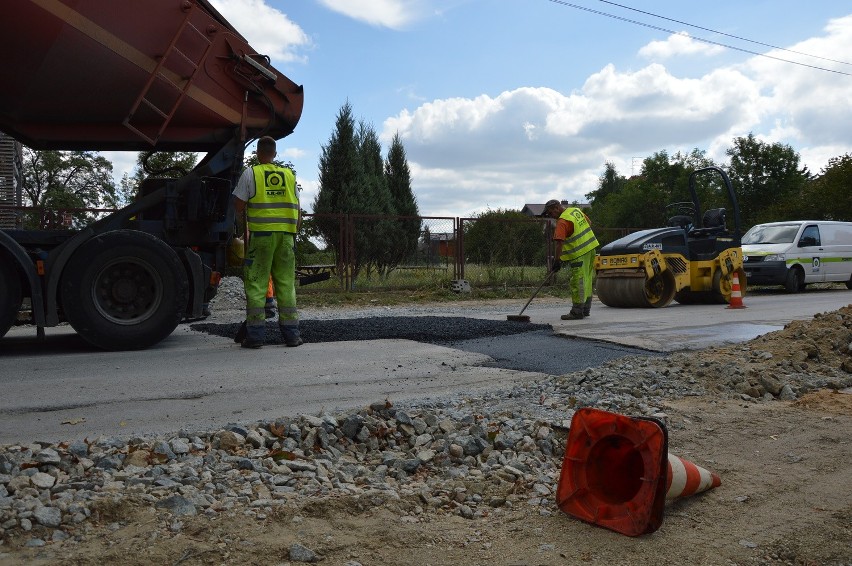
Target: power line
{"type": "Point", "coordinates": [725, 34]}
{"type": "Point", "coordinates": [658, 28]}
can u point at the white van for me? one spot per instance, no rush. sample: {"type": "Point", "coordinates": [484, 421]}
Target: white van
{"type": "Point", "coordinates": [798, 252]}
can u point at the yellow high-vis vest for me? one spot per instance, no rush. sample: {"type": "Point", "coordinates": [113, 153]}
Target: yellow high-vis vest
{"type": "Point", "coordinates": [275, 204]}
{"type": "Point", "coordinates": [582, 240]}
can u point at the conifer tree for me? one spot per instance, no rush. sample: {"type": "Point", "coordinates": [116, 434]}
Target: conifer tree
{"type": "Point", "coordinates": [398, 176]}
{"type": "Point", "coordinates": [374, 237]}
{"type": "Point", "coordinates": [341, 183]}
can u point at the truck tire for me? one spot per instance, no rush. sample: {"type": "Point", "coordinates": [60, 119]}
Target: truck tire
{"type": "Point", "coordinates": [10, 294]}
{"type": "Point", "coordinates": [124, 290]}
{"type": "Point", "coordinates": [795, 280]}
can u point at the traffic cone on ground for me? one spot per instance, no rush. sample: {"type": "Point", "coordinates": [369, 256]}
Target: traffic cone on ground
{"type": "Point", "coordinates": [617, 472]}
{"type": "Point", "coordinates": [686, 478]}
{"type": "Point", "coordinates": [736, 296]}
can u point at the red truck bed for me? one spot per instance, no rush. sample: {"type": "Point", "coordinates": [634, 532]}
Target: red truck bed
{"type": "Point", "coordinates": [108, 75]}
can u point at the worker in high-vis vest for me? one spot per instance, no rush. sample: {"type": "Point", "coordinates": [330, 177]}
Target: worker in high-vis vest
{"type": "Point", "coordinates": [266, 194]}
{"type": "Point", "coordinates": [574, 245]}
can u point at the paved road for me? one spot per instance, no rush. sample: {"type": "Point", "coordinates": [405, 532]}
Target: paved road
{"type": "Point", "coordinates": [62, 389]}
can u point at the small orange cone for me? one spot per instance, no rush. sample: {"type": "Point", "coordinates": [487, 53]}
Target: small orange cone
{"type": "Point", "coordinates": [617, 472]}
{"type": "Point", "coordinates": [736, 296]}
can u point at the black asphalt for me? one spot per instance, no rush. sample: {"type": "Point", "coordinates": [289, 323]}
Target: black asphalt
{"type": "Point", "coordinates": [520, 346]}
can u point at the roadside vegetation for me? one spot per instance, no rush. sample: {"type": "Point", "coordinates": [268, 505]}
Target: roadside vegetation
{"type": "Point", "coordinates": [365, 215]}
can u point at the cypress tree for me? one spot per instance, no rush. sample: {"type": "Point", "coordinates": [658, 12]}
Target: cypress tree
{"type": "Point", "coordinates": [398, 176]}
{"type": "Point", "coordinates": [340, 179]}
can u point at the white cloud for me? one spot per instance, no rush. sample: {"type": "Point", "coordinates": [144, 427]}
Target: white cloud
{"type": "Point", "coordinates": [123, 162]}
{"type": "Point", "coordinates": [812, 104]}
{"type": "Point", "coordinates": [393, 14]}
{"type": "Point", "coordinates": [529, 144]}
{"type": "Point", "coordinates": [679, 44]}
{"type": "Point", "coordinates": [267, 30]}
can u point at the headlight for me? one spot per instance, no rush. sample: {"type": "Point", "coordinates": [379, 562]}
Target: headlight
{"type": "Point", "coordinates": [775, 257]}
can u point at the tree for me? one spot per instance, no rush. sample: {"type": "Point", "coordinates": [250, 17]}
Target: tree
{"type": "Point", "coordinates": [829, 195]}
{"type": "Point", "coordinates": [154, 165]}
{"type": "Point", "coordinates": [402, 242]}
{"type": "Point", "coordinates": [766, 177]}
{"type": "Point", "coordinates": [353, 180]}
{"type": "Point", "coordinates": [57, 180]}
{"type": "Point", "coordinates": [643, 200]}
{"type": "Point", "coordinates": [373, 237]}
{"type": "Point", "coordinates": [609, 183]}
{"type": "Point", "coordinates": [340, 176]}
{"type": "Point", "coordinates": [504, 237]}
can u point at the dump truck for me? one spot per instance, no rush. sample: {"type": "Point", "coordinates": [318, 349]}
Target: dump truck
{"type": "Point", "coordinates": [692, 260]}
{"type": "Point", "coordinates": [159, 75]}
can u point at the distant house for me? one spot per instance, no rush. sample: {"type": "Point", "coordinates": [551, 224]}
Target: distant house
{"type": "Point", "coordinates": [537, 209]}
{"type": "Point", "coordinates": [441, 244]}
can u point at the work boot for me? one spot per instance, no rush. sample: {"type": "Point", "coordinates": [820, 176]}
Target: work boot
{"type": "Point", "coordinates": [575, 314]}
{"type": "Point", "coordinates": [291, 336]}
{"type": "Point", "coordinates": [253, 344]}
{"type": "Point", "coordinates": [587, 307]}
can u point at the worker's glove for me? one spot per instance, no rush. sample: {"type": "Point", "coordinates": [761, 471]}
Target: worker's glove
{"type": "Point", "coordinates": [557, 265]}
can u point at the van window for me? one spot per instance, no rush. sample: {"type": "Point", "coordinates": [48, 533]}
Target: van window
{"type": "Point", "coordinates": [836, 234]}
{"type": "Point", "coordinates": [778, 234]}
{"type": "Point", "coordinates": [810, 237]}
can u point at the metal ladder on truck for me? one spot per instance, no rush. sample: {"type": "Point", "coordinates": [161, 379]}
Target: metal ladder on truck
{"type": "Point", "coordinates": [165, 80]}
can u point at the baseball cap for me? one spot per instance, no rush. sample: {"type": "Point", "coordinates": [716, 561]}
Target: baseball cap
{"type": "Point", "coordinates": [548, 204]}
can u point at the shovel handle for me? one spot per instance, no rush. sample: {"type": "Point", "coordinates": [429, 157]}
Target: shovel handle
{"type": "Point", "coordinates": [546, 279]}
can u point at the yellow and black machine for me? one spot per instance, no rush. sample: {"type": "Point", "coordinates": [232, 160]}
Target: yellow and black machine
{"type": "Point", "coordinates": [692, 260]}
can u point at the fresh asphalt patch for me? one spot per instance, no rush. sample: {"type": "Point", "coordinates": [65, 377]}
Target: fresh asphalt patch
{"type": "Point", "coordinates": [544, 352]}
{"type": "Point", "coordinates": [512, 345]}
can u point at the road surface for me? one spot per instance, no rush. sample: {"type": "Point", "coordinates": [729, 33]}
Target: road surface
{"type": "Point", "coordinates": [62, 389]}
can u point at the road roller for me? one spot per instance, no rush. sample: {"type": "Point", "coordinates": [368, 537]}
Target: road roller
{"type": "Point", "coordinates": [692, 260]}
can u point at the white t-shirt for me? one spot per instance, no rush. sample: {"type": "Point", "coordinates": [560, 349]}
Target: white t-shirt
{"type": "Point", "coordinates": [245, 188]}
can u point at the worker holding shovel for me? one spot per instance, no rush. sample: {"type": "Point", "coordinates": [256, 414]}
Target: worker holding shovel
{"type": "Point", "coordinates": [574, 244]}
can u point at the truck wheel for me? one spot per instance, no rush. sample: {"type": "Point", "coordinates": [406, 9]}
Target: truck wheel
{"type": "Point", "coordinates": [795, 280]}
{"type": "Point", "coordinates": [10, 294]}
{"type": "Point", "coordinates": [124, 290]}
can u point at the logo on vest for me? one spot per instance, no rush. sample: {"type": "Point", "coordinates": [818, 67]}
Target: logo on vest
{"type": "Point", "coordinates": [273, 179]}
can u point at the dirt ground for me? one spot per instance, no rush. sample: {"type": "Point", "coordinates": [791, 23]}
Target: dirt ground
{"type": "Point", "coordinates": [785, 498]}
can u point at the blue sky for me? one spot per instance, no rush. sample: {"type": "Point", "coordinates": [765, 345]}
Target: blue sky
{"type": "Point", "coordinates": [505, 102]}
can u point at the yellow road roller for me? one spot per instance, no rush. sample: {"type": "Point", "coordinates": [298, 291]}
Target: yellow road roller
{"type": "Point", "coordinates": [692, 260]}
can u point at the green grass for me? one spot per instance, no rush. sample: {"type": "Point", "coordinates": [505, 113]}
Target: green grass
{"type": "Point", "coordinates": [412, 286]}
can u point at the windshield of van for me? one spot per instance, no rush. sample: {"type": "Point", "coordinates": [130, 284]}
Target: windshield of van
{"type": "Point", "coordinates": [778, 234]}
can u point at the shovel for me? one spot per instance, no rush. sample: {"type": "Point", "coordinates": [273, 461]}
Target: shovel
{"type": "Point", "coordinates": [521, 317]}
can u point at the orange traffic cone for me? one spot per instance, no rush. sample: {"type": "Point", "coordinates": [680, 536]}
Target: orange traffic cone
{"type": "Point", "coordinates": [617, 472]}
{"type": "Point", "coordinates": [736, 296]}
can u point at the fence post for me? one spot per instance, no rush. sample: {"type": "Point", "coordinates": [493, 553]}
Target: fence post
{"type": "Point", "coordinates": [459, 272]}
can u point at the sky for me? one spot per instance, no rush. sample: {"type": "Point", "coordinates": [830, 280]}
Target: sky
{"type": "Point", "coordinates": [500, 103]}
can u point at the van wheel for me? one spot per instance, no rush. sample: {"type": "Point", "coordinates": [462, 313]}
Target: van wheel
{"type": "Point", "coordinates": [795, 280]}
{"type": "Point", "coordinates": [849, 283]}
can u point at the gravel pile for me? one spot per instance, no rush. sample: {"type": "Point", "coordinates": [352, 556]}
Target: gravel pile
{"type": "Point", "coordinates": [459, 456]}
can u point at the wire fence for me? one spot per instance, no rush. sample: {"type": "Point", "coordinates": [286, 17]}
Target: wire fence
{"type": "Point", "coordinates": [375, 252]}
